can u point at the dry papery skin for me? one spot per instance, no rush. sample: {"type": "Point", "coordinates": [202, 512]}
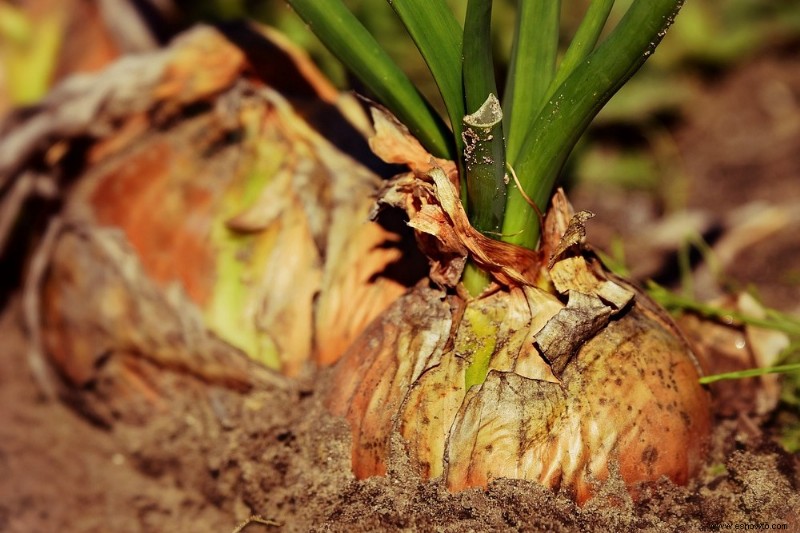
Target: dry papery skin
{"type": "Point", "coordinates": [245, 222]}
{"type": "Point", "coordinates": [551, 375]}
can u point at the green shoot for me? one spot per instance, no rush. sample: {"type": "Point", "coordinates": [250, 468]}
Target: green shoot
{"type": "Point", "coordinates": [751, 373]}
{"type": "Point", "coordinates": [585, 39]}
{"type": "Point", "coordinates": [484, 153]}
{"type": "Point", "coordinates": [437, 35]}
{"type": "Point", "coordinates": [533, 63]}
{"type": "Point", "coordinates": [547, 109]}
{"type": "Point", "coordinates": [342, 33]}
{"type": "Point", "coordinates": [774, 320]}
{"type": "Point", "coordinates": [484, 144]}
{"type": "Point", "coordinates": [567, 112]}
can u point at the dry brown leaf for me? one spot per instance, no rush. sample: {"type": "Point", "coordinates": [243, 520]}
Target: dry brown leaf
{"type": "Point", "coordinates": [574, 235]}
{"type": "Point", "coordinates": [393, 143]}
{"type": "Point", "coordinates": [571, 328]}
{"type": "Point", "coordinates": [434, 209]}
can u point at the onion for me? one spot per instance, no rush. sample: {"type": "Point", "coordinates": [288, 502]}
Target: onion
{"type": "Point", "coordinates": [552, 376]}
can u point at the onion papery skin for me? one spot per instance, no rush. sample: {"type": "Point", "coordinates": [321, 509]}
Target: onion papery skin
{"type": "Point", "coordinates": [630, 395]}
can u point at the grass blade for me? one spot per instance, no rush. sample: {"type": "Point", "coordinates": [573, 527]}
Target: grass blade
{"type": "Point", "coordinates": [342, 33]}
{"type": "Point", "coordinates": [437, 35]}
{"type": "Point", "coordinates": [566, 115]}
{"type": "Point", "coordinates": [584, 40]}
{"type": "Point", "coordinates": [751, 373]}
{"type": "Point", "coordinates": [774, 320]}
{"type": "Point", "coordinates": [532, 68]}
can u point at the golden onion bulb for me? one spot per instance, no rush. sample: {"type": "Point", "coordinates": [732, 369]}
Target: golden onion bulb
{"type": "Point", "coordinates": [555, 375]}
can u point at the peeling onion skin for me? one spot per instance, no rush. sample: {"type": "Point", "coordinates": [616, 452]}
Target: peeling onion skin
{"type": "Point", "coordinates": [370, 382]}
{"type": "Point", "coordinates": [631, 395]}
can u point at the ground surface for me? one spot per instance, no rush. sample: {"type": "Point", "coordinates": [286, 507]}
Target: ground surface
{"type": "Point", "coordinates": [207, 460]}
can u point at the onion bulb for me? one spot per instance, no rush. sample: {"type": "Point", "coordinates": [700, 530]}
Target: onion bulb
{"type": "Point", "coordinates": [556, 372]}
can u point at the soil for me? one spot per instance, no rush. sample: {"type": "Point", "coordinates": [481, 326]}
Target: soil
{"type": "Point", "coordinates": [212, 456]}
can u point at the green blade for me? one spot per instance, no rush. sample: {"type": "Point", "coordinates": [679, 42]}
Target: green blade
{"type": "Point", "coordinates": [437, 34]}
{"type": "Point", "coordinates": [484, 150]}
{"type": "Point", "coordinates": [342, 33]}
{"type": "Point", "coordinates": [567, 113]}
{"type": "Point", "coordinates": [484, 153]}
{"type": "Point", "coordinates": [532, 68]}
{"type": "Point", "coordinates": [751, 373]}
{"type": "Point", "coordinates": [584, 40]}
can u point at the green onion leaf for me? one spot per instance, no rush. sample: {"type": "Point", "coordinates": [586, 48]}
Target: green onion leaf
{"type": "Point", "coordinates": [567, 113]}
{"type": "Point", "coordinates": [342, 33]}
{"type": "Point", "coordinates": [437, 35]}
{"type": "Point", "coordinates": [532, 68]}
{"type": "Point", "coordinates": [484, 145]}
{"type": "Point", "coordinates": [584, 40]}
{"type": "Point", "coordinates": [484, 152]}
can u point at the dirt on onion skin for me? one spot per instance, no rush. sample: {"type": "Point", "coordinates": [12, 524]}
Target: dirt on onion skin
{"type": "Point", "coordinates": [213, 456]}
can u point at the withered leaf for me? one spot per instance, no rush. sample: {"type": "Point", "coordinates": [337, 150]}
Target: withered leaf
{"type": "Point", "coordinates": [509, 264]}
{"type": "Point", "coordinates": [394, 144]}
{"type": "Point", "coordinates": [576, 274]}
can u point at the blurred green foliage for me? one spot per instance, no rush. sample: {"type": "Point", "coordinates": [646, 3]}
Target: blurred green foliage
{"type": "Point", "coordinates": [28, 52]}
{"type": "Point", "coordinates": [709, 34]}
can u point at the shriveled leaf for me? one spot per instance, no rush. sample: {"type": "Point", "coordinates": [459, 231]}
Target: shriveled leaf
{"type": "Point", "coordinates": [393, 143]}
{"type": "Point", "coordinates": [569, 330]}
{"type": "Point", "coordinates": [435, 209]}
{"type": "Point", "coordinates": [575, 234]}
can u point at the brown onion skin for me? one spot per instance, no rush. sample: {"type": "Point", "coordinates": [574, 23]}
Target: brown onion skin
{"type": "Point", "coordinates": [631, 396]}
